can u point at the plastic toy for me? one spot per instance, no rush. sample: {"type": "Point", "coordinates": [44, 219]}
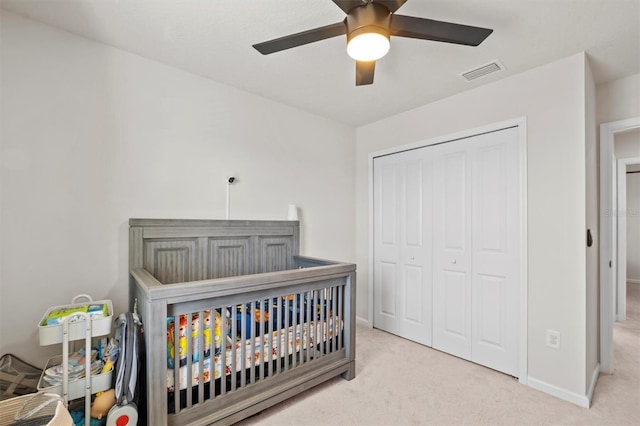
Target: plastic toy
{"type": "Point", "coordinates": [195, 343]}
{"type": "Point", "coordinates": [111, 356]}
{"type": "Point", "coordinates": [103, 403]}
{"type": "Point", "coordinates": [206, 330]}
{"type": "Point", "coordinates": [171, 341]}
{"type": "Point", "coordinates": [217, 330]}
{"type": "Point", "coordinates": [182, 343]}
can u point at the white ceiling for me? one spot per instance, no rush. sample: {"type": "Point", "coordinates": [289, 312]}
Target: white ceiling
{"type": "Point", "coordinates": [213, 38]}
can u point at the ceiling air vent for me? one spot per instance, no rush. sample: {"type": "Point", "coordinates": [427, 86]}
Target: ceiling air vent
{"type": "Point", "coordinates": [481, 71]}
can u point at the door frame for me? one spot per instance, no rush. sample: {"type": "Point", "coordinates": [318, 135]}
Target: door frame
{"type": "Point", "coordinates": [608, 235]}
{"type": "Point", "coordinates": [521, 124]}
{"type": "Point", "coordinates": [621, 206]}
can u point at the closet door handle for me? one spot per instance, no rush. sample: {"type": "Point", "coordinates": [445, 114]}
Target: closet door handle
{"type": "Point", "coordinates": [453, 261]}
{"type": "Point", "coordinates": [412, 258]}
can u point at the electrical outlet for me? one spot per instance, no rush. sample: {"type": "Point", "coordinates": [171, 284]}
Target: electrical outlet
{"type": "Point", "coordinates": [552, 339]}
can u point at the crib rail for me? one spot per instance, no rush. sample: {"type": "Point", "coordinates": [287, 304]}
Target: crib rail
{"type": "Point", "coordinates": [278, 333]}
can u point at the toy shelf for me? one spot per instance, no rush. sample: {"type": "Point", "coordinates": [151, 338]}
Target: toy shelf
{"type": "Point", "coordinates": [67, 323]}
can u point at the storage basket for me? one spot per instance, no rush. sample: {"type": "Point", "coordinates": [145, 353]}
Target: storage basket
{"type": "Point", "coordinates": [51, 334]}
{"type": "Point", "coordinates": [17, 377]}
{"type": "Point", "coordinates": [99, 382]}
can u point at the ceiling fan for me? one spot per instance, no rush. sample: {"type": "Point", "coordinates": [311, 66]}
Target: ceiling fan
{"type": "Point", "coordinates": [369, 25]}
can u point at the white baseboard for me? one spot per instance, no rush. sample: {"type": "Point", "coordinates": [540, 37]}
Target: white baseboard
{"type": "Point", "coordinates": [592, 384]}
{"type": "Point", "coordinates": [558, 392]}
{"type": "Point", "coordinates": [363, 322]}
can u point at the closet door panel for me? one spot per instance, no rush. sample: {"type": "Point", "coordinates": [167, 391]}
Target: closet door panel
{"type": "Point", "coordinates": [451, 239]}
{"type": "Point", "coordinates": [415, 241]}
{"type": "Point", "coordinates": [496, 250]}
{"type": "Point", "coordinates": [386, 271]}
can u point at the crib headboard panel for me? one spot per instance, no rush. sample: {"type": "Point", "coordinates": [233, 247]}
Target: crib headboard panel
{"type": "Point", "coordinates": [181, 250]}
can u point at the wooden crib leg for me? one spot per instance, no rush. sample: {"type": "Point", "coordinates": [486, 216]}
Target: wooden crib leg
{"type": "Point", "coordinates": [350, 374]}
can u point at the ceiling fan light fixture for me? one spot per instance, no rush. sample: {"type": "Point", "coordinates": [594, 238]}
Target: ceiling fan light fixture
{"type": "Point", "coordinates": [368, 43]}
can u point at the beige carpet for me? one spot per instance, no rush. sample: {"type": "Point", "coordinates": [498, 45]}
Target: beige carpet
{"type": "Point", "coordinates": [399, 382]}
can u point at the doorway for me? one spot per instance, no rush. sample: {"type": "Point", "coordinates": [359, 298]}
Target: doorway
{"type": "Point", "coordinates": [610, 262]}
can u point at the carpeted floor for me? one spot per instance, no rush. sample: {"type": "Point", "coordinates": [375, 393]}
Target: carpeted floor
{"type": "Point", "coordinates": [410, 384]}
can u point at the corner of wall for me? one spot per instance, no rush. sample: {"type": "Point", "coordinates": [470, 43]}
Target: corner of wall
{"type": "Point", "coordinates": [591, 222]}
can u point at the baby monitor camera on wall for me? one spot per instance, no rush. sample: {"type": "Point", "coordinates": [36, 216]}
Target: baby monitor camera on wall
{"type": "Point", "coordinates": [231, 180]}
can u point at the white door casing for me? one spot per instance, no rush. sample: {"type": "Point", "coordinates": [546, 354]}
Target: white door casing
{"type": "Point", "coordinates": [621, 210]}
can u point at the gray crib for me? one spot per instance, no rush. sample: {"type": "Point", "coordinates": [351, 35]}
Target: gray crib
{"type": "Point", "coordinates": [234, 319]}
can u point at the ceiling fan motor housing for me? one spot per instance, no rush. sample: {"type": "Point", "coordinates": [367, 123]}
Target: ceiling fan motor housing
{"type": "Point", "coordinates": [369, 18]}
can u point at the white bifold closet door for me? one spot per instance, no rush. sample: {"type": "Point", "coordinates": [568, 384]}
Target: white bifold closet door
{"type": "Point", "coordinates": [447, 235]}
{"type": "Point", "coordinates": [403, 248]}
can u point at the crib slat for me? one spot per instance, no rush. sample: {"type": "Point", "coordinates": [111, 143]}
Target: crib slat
{"type": "Point", "coordinates": [200, 350]}
{"type": "Point", "coordinates": [263, 317]}
{"type": "Point", "coordinates": [279, 337]}
{"type": "Point", "coordinates": [340, 316]}
{"type": "Point", "coordinates": [176, 363]}
{"type": "Point", "coordinates": [308, 325]}
{"type": "Point", "coordinates": [223, 352]}
{"type": "Point", "coordinates": [189, 368]}
{"type": "Point", "coordinates": [212, 350]}
{"type": "Point", "coordinates": [321, 339]}
{"type": "Point", "coordinates": [253, 342]}
{"type": "Point", "coordinates": [331, 321]}
{"type": "Point", "coordinates": [234, 332]}
{"type": "Point", "coordinates": [270, 354]}
{"type": "Point", "coordinates": [243, 349]}
{"type": "Point", "coordinates": [294, 325]}
{"type": "Point", "coordinates": [313, 331]}
{"type": "Point", "coordinates": [285, 332]}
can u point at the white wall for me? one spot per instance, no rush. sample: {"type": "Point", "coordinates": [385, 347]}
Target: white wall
{"type": "Point", "coordinates": [552, 98]}
{"type": "Point", "coordinates": [92, 135]}
{"type": "Point", "coordinates": [627, 144]}
{"type": "Point", "coordinates": [618, 99]}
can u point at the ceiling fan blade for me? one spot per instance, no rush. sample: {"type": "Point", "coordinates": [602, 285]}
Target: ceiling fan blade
{"type": "Point", "coordinates": [347, 5]}
{"type": "Point", "coordinates": [364, 72]}
{"type": "Point", "coordinates": [392, 5]}
{"type": "Point", "coordinates": [298, 39]}
{"type": "Point", "coordinates": [428, 29]}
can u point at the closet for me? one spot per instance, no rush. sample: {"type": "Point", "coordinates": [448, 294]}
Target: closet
{"type": "Point", "coordinates": [447, 256]}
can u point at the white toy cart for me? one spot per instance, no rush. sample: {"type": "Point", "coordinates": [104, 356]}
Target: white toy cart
{"type": "Point", "coordinates": [76, 326]}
